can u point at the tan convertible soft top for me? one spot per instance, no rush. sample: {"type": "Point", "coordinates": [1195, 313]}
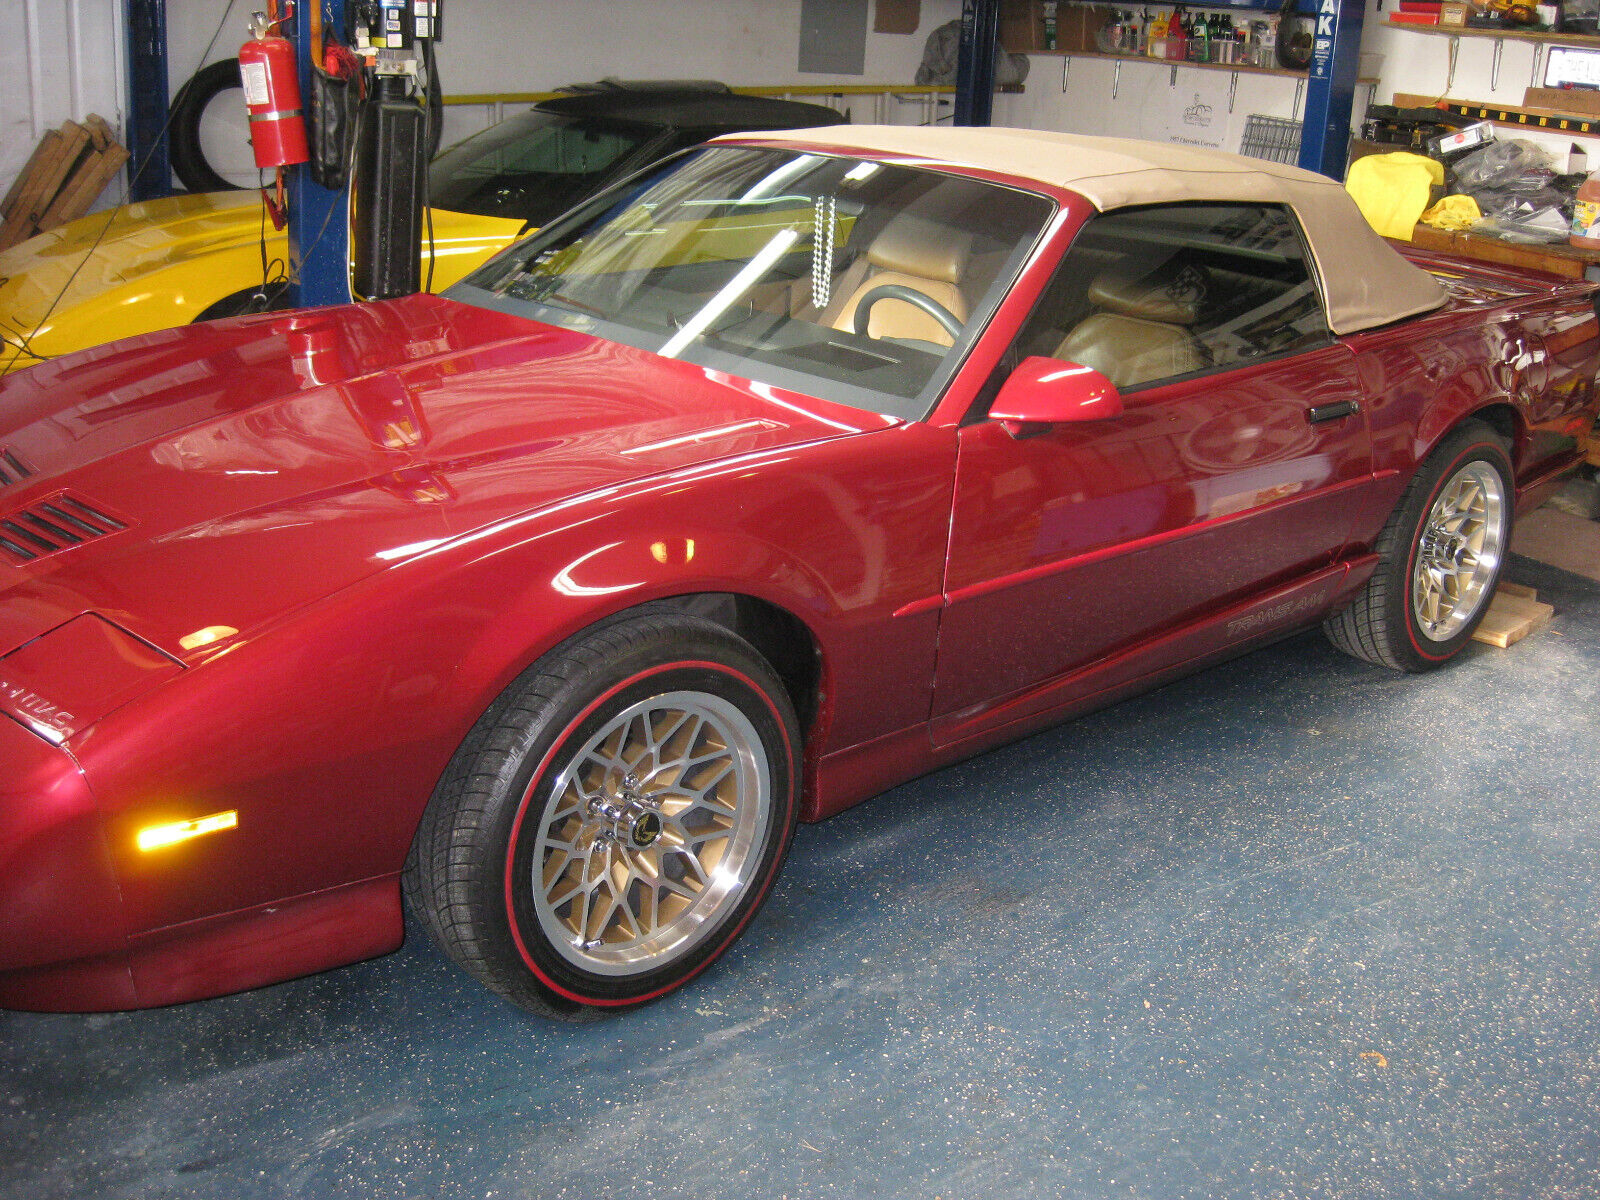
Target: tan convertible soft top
{"type": "Point", "coordinates": [1365, 283]}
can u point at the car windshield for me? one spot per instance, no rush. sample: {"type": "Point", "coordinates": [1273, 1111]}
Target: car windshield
{"type": "Point", "coordinates": [851, 280]}
{"type": "Point", "coordinates": [533, 167]}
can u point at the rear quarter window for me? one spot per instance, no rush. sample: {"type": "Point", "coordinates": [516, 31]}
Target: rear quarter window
{"type": "Point", "coordinates": [1150, 294]}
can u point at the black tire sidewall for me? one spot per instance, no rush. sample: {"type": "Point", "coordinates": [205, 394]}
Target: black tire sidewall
{"type": "Point", "coordinates": [1469, 445]}
{"type": "Point", "coordinates": [188, 110]}
{"type": "Point", "coordinates": [589, 701]}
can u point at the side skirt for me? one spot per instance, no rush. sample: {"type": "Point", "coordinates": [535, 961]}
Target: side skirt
{"type": "Point", "coordinates": [849, 776]}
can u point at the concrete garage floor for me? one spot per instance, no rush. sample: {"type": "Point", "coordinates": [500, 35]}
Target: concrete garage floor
{"type": "Point", "coordinates": [1295, 927]}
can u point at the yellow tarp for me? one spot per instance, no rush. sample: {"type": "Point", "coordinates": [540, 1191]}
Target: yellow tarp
{"type": "Point", "coordinates": [1391, 190]}
{"type": "Point", "coordinates": [1453, 213]}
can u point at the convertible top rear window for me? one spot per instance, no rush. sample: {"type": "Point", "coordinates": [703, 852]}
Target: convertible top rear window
{"type": "Point", "coordinates": [852, 280]}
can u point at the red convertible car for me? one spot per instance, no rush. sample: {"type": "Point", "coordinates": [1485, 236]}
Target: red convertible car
{"type": "Point", "coordinates": [734, 497]}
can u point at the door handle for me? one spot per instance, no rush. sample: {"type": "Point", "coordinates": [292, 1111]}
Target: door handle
{"type": "Point", "coordinates": [1332, 412]}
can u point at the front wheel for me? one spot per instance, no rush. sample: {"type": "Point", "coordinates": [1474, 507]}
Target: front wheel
{"type": "Point", "coordinates": [614, 820]}
{"type": "Point", "coordinates": [1440, 556]}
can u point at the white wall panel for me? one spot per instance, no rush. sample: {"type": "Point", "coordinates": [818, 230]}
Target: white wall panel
{"type": "Point", "coordinates": [59, 60]}
{"type": "Point", "coordinates": [537, 45]}
{"type": "Point", "coordinates": [540, 45]}
{"type": "Point", "coordinates": [62, 59]}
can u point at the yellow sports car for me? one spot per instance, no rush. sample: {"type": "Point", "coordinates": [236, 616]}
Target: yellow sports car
{"type": "Point", "coordinates": [163, 263]}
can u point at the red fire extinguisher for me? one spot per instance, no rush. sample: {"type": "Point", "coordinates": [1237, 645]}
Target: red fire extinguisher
{"type": "Point", "coordinates": [272, 96]}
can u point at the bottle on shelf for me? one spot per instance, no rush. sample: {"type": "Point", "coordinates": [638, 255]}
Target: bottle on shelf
{"type": "Point", "coordinates": [1156, 46]}
{"type": "Point", "coordinates": [1178, 35]}
{"type": "Point", "coordinates": [1586, 214]}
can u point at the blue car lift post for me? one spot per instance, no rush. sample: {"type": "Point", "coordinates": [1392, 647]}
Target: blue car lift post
{"type": "Point", "coordinates": [1331, 87]}
{"type": "Point", "coordinates": [148, 146]}
{"type": "Point", "coordinates": [980, 30]}
{"type": "Point", "coordinates": [319, 233]}
{"type": "Point", "coordinates": [319, 217]}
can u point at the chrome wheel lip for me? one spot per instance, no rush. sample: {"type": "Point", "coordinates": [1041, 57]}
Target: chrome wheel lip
{"type": "Point", "coordinates": [641, 828]}
{"type": "Point", "coordinates": [1458, 551]}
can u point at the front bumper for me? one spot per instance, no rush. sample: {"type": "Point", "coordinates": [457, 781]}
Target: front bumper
{"type": "Point", "coordinates": [59, 901]}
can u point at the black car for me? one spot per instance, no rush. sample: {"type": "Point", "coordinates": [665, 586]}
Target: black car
{"type": "Point", "coordinates": [546, 160]}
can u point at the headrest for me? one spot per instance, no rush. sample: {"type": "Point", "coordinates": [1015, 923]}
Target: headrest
{"type": "Point", "coordinates": [1173, 292]}
{"type": "Point", "coordinates": [917, 246]}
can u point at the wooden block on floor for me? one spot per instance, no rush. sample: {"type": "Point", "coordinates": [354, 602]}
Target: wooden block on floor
{"type": "Point", "coordinates": [25, 203]}
{"type": "Point", "coordinates": [45, 149]}
{"type": "Point", "coordinates": [74, 139]}
{"type": "Point", "coordinates": [1512, 616]}
{"type": "Point", "coordinates": [101, 134]}
{"type": "Point", "coordinates": [94, 171]}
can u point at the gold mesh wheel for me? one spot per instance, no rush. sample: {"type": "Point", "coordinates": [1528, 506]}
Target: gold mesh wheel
{"type": "Point", "coordinates": [651, 833]}
{"type": "Point", "coordinates": [1459, 551]}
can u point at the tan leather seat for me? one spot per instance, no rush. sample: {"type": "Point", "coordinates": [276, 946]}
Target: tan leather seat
{"type": "Point", "coordinates": [1141, 332]}
{"type": "Point", "coordinates": [920, 254]}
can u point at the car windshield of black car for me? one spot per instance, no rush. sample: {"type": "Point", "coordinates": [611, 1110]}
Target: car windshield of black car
{"type": "Point", "coordinates": [535, 166]}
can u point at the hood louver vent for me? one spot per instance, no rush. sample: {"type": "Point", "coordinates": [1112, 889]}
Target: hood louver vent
{"type": "Point", "coordinates": [12, 468]}
{"type": "Point", "coordinates": [49, 526]}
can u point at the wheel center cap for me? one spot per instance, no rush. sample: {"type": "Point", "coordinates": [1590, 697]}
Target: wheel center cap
{"type": "Point", "coordinates": [646, 829]}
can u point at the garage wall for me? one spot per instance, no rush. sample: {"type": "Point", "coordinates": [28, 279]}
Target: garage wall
{"type": "Point", "coordinates": [62, 59]}
{"type": "Point", "coordinates": [491, 46]}
{"type": "Point", "coordinates": [1420, 64]}
{"type": "Point", "coordinates": [1152, 100]}
{"type": "Point", "coordinates": [1146, 99]}
{"type": "Point", "coordinates": [59, 59]}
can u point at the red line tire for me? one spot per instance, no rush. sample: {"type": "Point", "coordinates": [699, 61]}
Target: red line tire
{"type": "Point", "coordinates": [1440, 557]}
{"type": "Point", "coordinates": [615, 819]}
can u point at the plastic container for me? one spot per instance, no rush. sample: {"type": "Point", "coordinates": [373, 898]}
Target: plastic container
{"type": "Point", "coordinates": [1586, 214]}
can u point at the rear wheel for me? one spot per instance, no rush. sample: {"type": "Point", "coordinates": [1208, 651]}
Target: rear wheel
{"type": "Point", "coordinates": [1440, 556]}
{"type": "Point", "coordinates": [269, 297]}
{"type": "Point", "coordinates": [614, 820]}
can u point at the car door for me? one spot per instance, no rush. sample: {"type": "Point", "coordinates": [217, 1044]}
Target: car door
{"type": "Point", "coordinates": [1225, 482]}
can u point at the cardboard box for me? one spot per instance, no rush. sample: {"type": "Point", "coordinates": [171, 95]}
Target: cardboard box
{"type": "Point", "coordinates": [1573, 101]}
{"type": "Point", "coordinates": [1022, 26]}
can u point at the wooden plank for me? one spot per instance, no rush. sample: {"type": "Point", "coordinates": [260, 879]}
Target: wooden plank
{"type": "Point", "coordinates": [46, 143]}
{"type": "Point", "coordinates": [101, 134]}
{"type": "Point", "coordinates": [87, 183]}
{"type": "Point", "coordinates": [1520, 590]}
{"type": "Point", "coordinates": [1566, 261]}
{"type": "Point", "coordinates": [23, 223]}
{"type": "Point", "coordinates": [74, 139]}
{"type": "Point", "coordinates": [1511, 618]}
{"type": "Point", "coordinates": [19, 222]}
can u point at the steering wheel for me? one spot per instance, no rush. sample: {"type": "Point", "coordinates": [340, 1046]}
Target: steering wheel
{"type": "Point", "coordinates": [899, 291]}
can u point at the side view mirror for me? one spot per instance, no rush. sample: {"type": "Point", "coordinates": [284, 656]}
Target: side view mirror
{"type": "Point", "coordinates": [1047, 391]}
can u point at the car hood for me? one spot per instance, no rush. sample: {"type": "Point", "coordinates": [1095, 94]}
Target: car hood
{"type": "Point", "coordinates": [56, 288]}
{"type": "Point", "coordinates": [241, 468]}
